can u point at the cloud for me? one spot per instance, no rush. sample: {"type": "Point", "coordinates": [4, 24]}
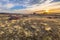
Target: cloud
{"type": "Point", "coordinates": [9, 5]}
{"type": "Point", "coordinates": [48, 4]}
{"type": "Point", "coordinates": [27, 5]}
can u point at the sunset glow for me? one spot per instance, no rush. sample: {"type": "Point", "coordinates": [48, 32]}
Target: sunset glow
{"type": "Point", "coordinates": [22, 6]}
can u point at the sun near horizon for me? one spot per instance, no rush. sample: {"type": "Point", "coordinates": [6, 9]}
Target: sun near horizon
{"type": "Point", "coordinates": [48, 11]}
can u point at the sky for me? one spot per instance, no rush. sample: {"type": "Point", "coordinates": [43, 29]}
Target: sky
{"type": "Point", "coordinates": [25, 5]}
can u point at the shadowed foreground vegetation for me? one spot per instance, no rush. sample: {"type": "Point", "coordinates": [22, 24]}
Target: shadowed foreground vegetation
{"type": "Point", "coordinates": [29, 27]}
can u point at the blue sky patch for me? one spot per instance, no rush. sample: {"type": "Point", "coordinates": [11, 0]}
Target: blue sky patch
{"type": "Point", "coordinates": [18, 7]}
